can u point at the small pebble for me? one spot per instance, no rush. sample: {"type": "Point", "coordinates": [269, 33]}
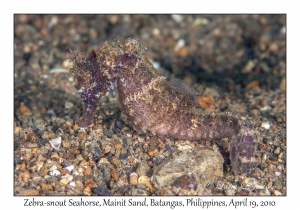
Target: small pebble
{"type": "Point", "coordinates": [66, 143]}
{"type": "Point", "coordinates": [265, 108]}
{"type": "Point", "coordinates": [104, 160]}
{"type": "Point", "coordinates": [64, 181]}
{"type": "Point", "coordinates": [68, 105]}
{"type": "Point", "coordinates": [25, 110]}
{"type": "Point", "coordinates": [70, 168]}
{"type": "Point", "coordinates": [277, 150]}
{"type": "Point", "coordinates": [205, 101]}
{"type": "Point", "coordinates": [54, 173]}
{"type": "Point", "coordinates": [79, 157]}
{"type": "Point", "coordinates": [277, 173]}
{"type": "Point", "coordinates": [283, 84]}
{"type": "Point", "coordinates": [18, 129]}
{"type": "Point", "coordinates": [55, 143]}
{"type": "Point", "coordinates": [87, 191]}
{"type": "Point", "coordinates": [259, 186]}
{"type": "Point", "coordinates": [249, 66]}
{"type": "Point", "coordinates": [183, 52]}
{"type": "Point", "coordinates": [54, 20]}
{"type": "Point", "coordinates": [82, 135]}
{"type": "Point", "coordinates": [139, 192]}
{"type": "Point", "coordinates": [116, 162]}
{"type": "Point", "coordinates": [152, 152]}
{"type": "Point", "coordinates": [54, 155]}
{"type": "Point", "coordinates": [58, 70]}
{"type": "Point", "coordinates": [156, 65]}
{"type": "Point", "coordinates": [88, 170]}
{"type": "Point", "coordinates": [229, 192]}
{"type": "Point", "coordinates": [177, 18]}
{"type": "Point", "coordinates": [47, 186]}
{"type": "Point", "coordinates": [142, 169]}
{"type": "Point", "coordinates": [107, 149]}
{"type": "Point", "coordinates": [97, 152]}
{"type": "Point", "coordinates": [200, 21]}
{"type": "Point", "coordinates": [114, 173]}
{"type": "Point", "coordinates": [114, 19]}
{"type": "Point", "coordinates": [133, 178]}
{"type": "Point", "coordinates": [156, 31]}
{"type": "Point", "coordinates": [43, 171]}
{"type": "Point", "coordinates": [53, 167]}
{"type": "Point", "coordinates": [265, 125]}
{"type": "Point", "coordinates": [273, 47]}
{"type": "Point", "coordinates": [102, 191]}
{"type": "Point", "coordinates": [277, 193]}
{"type": "Point", "coordinates": [283, 30]}
{"type": "Point", "coordinates": [68, 177]}
{"type": "Point", "coordinates": [253, 85]}
{"type": "Point", "coordinates": [72, 184]}
{"type": "Point", "coordinates": [280, 167]}
{"type": "Point", "coordinates": [122, 181]}
{"type": "Point", "coordinates": [64, 171]}
{"type": "Point", "coordinates": [143, 179]}
{"type": "Point", "coordinates": [79, 185]}
{"type": "Point", "coordinates": [24, 176]}
{"type": "Point", "coordinates": [26, 192]}
{"type": "Point", "coordinates": [50, 112]}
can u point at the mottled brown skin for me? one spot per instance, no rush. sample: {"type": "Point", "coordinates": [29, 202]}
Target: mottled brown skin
{"type": "Point", "coordinates": [151, 103]}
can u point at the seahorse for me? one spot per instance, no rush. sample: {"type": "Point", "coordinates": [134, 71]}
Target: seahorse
{"type": "Point", "coordinates": [153, 104]}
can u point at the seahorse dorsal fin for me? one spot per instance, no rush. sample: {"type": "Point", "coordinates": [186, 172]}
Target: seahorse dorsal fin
{"type": "Point", "coordinates": [183, 86]}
